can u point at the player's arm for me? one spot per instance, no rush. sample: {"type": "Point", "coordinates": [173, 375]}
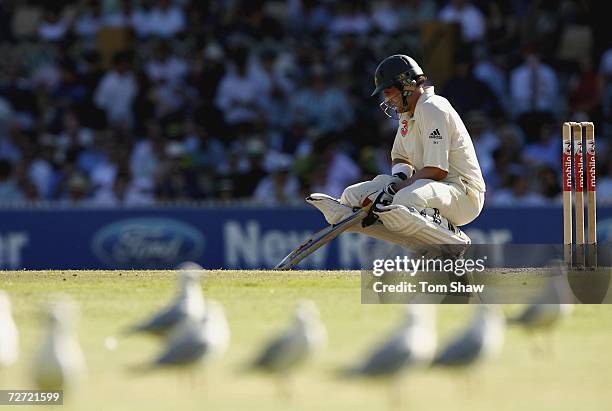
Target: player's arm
{"type": "Point", "coordinates": [430, 173]}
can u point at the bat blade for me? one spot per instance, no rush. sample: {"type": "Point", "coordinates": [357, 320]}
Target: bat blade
{"type": "Point", "coordinates": [320, 238]}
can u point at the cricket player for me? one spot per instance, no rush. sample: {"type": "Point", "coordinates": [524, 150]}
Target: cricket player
{"type": "Point", "coordinates": [435, 184]}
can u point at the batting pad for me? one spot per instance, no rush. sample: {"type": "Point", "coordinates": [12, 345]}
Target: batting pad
{"type": "Point", "coordinates": [334, 212]}
{"type": "Point", "coordinates": [408, 222]}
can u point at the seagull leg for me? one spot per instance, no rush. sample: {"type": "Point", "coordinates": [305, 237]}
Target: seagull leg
{"type": "Point", "coordinates": [397, 394]}
{"type": "Point", "coordinates": [536, 350]}
{"type": "Point", "coordinates": [551, 344]}
{"type": "Point", "coordinates": [284, 385]}
{"type": "Point", "coordinates": [192, 380]}
{"type": "Point", "coordinates": [469, 382]}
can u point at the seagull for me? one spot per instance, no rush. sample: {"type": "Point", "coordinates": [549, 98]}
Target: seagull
{"type": "Point", "coordinates": [411, 346]}
{"type": "Point", "coordinates": [283, 354]}
{"type": "Point", "coordinates": [193, 343]}
{"type": "Point", "coordinates": [555, 303]}
{"type": "Point", "coordinates": [195, 340]}
{"type": "Point", "coordinates": [189, 303]}
{"type": "Point", "coordinates": [60, 363]}
{"type": "Point", "coordinates": [482, 340]}
{"type": "Point", "coordinates": [9, 337]}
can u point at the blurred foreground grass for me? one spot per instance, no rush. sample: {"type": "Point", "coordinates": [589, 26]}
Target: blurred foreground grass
{"type": "Point", "coordinates": [577, 375]}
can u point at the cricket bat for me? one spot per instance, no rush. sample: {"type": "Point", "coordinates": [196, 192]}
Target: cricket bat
{"type": "Point", "coordinates": [322, 237]}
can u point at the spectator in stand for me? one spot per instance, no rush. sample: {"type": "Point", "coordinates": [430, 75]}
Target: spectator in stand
{"type": "Point", "coordinates": [550, 184]}
{"type": "Point", "coordinates": [175, 179]}
{"type": "Point", "coordinates": [72, 133]}
{"type": "Point", "coordinates": [545, 151]}
{"type": "Point", "coordinates": [503, 24]}
{"type": "Point", "coordinates": [605, 71]}
{"type": "Point", "coordinates": [604, 176]}
{"type": "Point", "coordinates": [90, 72]}
{"type": "Point", "coordinates": [88, 19]}
{"type": "Point", "coordinates": [10, 193]}
{"type": "Point", "coordinates": [490, 70]}
{"type": "Point", "coordinates": [124, 16]}
{"type": "Point", "coordinates": [140, 18]}
{"type": "Point", "coordinates": [167, 73]}
{"type": "Point", "coordinates": [69, 90]}
{"type": "Point", "coordinates": [517, 191]}
{"type": "Point", "coordinates": [122, 193]}
{"type": "Point", "coordinates": [585, 91]}
{"type": "Point", "coordinates": [117, 89]}
{"type": "Point", "coordinates": [42, 170]}
{"type": "Point", "coordinates": [166, 67]}
{"type": "Point", "coordinates": [391, 16]}
{"type": "Point", "coordinates": [114, 160]}
{"type": "Point", "coordinates": [209, 72]}
{"type": "Point", "coordinates": [275, 84]}
{"type": "Point", "coordinates": [280, 186]}
{"type": "Point", "coordinates": [147, 155]}
{"type": "Point", "coordinates": [244, 173]}
{"type": "Point", "coordinates": [321, 104]}
{"type": "Point", "coordinates": [469, 17]}
{"type": "Point", "coordinates": [467, 92]}
{"type": "Point", "coordinates": [239, 95]}
{"type": "Point", "coordinates": [307, 17]}
{"type": "Point", "coordinates": [9, 150]}
{"type": "Point", "coordinates": [166, 19]}
{"type": "Point", "coordinates": [412, 15]}
{"type": "Point", "coordinates": [485, 139]}
{"type": "Point", "coordinates": [534, 92]}
{"type": "Point", "coordinates": [206, 154]}
{"type": "Point", "coordinates": [76, 190]}
{"type": "Point", "coordinates": [54, 27]}
{"type": "Point", "coordinates": [350, 18]}
{"type": "Point", "coordinates": [333, 170]}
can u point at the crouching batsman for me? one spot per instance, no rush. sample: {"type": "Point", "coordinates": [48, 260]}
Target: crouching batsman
{"type": "Point", "coordinates": [435, 185]}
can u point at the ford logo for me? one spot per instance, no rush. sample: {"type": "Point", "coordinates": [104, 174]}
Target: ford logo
{"type": "Point", "coordinates": [147, 243]}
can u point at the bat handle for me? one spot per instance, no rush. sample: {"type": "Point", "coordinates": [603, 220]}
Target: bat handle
{"type": "Point", "coordinates": [369, 219]}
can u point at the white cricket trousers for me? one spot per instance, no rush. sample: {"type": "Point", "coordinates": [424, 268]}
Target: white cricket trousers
{"type": "Point", "coordinates": [460, 206]}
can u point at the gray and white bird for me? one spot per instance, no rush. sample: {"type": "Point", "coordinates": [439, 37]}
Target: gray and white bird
{"type": "Point", "coordinates": [9, 336]}
{"type": "Point", "coordinates": [555, 303]}
{"type": "Point", "coordinates": [294, 346]}
{"type": "Point", "coordinates": [188, 303]}
{"type": "Point", "coordinates": [551, 306]}
{"type": "Point", "coordinates": [196, 340]}
{"type": "Point", "coordinates": [412, 345]}
{"type": "Point", "coordinates": [60, 363]}
{"type": "Point", "coordinates": [482, 340]}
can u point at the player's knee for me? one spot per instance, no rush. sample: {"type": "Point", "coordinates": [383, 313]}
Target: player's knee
{"type": "Point", "coordinates": [409, 198]}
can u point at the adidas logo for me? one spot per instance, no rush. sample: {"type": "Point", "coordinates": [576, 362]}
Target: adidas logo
{"type": "Point", "coordinates": [435, 135]}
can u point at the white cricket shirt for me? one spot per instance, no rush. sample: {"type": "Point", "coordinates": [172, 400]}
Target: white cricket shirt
{"type": "Point", "coordinates": [435, 136]}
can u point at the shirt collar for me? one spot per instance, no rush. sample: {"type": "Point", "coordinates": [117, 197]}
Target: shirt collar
{"type": "Point", "coordinates": [428, 91]}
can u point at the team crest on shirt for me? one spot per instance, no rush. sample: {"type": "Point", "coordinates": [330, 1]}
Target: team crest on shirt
{"type": "Point", "coordinates": [404, 128]}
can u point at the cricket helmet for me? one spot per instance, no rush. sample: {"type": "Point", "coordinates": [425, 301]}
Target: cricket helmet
{"type": "Point", "coordinates": [397, 70]}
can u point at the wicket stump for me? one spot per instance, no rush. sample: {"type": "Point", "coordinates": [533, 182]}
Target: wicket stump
{"type": "Point", "coordinates": [576, 164]}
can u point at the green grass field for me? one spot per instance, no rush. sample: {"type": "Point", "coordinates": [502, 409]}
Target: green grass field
{"type": "Point", "coordinates": [577, 376]}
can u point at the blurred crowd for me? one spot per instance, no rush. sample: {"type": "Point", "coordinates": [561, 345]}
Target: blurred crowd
{"type": "Point", "coordinates": [269, 100]}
